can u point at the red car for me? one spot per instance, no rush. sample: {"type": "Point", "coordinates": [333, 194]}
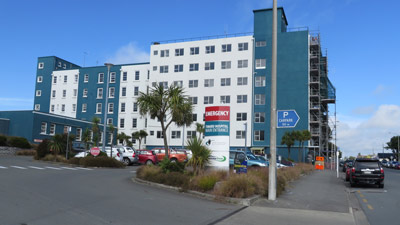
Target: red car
{"type": "Point", "coordinates": [147, 157]}
{"type": "Point", "coordinates": [348, 173]}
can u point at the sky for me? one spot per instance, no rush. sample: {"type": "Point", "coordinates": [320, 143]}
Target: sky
{"type": "Point", "coordinates": [360, 37]}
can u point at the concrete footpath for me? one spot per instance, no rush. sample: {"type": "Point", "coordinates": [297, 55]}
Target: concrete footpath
{"type": "Point", "coordinates": [319, 198]}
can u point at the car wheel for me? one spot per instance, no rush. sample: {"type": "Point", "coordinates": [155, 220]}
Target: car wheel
{"type": "Point", "coordinates": [173, 160]}
{"type": "Point", "coordinates": [126, 161]}
{"type": "Point", "coordinates": [149, 162]}
{"type": "Point", "coordinates": [347, 179]}
{"type": "Point", "coordinates": [352, 184]}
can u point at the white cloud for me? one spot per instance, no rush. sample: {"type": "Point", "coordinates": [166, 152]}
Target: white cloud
{"type": "Point", "coordinates": [365, 110]}
{"type": "Point", "coordinates": [129, 53]}
{"type": "Point", "coordinates": [382, 90]}
{"type": "Point", "coordinates": [368, 135]}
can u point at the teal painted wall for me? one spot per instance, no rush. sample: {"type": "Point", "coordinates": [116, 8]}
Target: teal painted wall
{"type": "Point", "coordinates": [21, 123]}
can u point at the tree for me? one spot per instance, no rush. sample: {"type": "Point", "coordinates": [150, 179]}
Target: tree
{"type": "Point", "coordinates": [139, 135]}
{"type": "Point", "coordinates": [302, 136]}
{"type": "Point", "coordinates": [394, 146]}
{"type": "Point", "coordinates": [288, 139]}
{"type": "Point", "coordinates": [200, 128]}
{"type": "Point", "coordinates": [96, 130]}
{"type": "Point", "coordinates": [200, 154]}
{"type": "Point", "coordinates": [111, 128]}
{"type": "Point", "coordinates": [57, 144]}
{"type": "Point", "coordinates": [123, 138]}
{"type": "Point", "coordinates": [168, 105]}
{"type": "Point", "coordinates": [86, 138]}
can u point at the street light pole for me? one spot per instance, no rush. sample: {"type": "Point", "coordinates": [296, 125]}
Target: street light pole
{"type": "Point", "coordinates": [245, 136]}
{"type": "Point", "coordinates": [272, 139]}
{"type": "Point", "coordinates": [109, 65]}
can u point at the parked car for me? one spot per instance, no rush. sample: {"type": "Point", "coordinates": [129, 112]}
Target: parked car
{"type": "Point", "coordinates": [114, 153]}
{"type": "Point", "coordinates": [384, 163]}
{"type": "Point", "coordinates": [395, 165]}
{"type": "Point", "coordinates": [368, 171]}
{"type": "Point", "coordinates": [347, 163]}
{"type": "Point", "coordinates": [147, 157]}
{"type": "Point", "coordinates": [348, 173]}
{"type": "Point", "coordinates": [82, 154]}
{"type": "Point", "coordinates": [252, 161]}
{"type": "Point", "coordinates": [174, 155]}
{"type": "Point", "coordinates": [128, 154]}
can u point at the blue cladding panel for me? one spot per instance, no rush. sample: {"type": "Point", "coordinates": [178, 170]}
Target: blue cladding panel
{"type": "Point", "coordinates": [20, 123]}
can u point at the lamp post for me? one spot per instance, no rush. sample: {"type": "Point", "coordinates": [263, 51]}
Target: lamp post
{"type": "Point", "coordinates": [109, 65]}
{"type": "Point", "coordinates": [245, 137]}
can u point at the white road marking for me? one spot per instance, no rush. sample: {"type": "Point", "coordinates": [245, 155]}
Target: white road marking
{"type": "Point", "coordinates": [34, 167]}
{"type": "Point", "coordinates": [69, 168]}
{"type": "Point", "coordinates": [53, 168]}
{"type": "Point", "coordinates": [132, 171]}
{"type": "Point", "coordinates": [2, 167]}
{"type": "Point", "coordinates": [18, 167]}
{"type": "Point", "coordinates": [82, 168]}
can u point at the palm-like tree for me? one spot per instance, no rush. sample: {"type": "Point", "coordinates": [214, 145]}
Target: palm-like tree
{"type": "Point", "coordinates": [96, 130]}
{"type": "Point", "coordinates": [200, 129]}
{"type": "Point", "coordinates": [86, 138]}
{"type": "Point", "coordinates": [57, 144]}
{"type": "Point", "coordinates": [168, 105]}
{"type": "Point", "coordinates": [302, 136]}
{"type": "Point", "coordinates": [200, 154]}
{"type": "Point", "coordinates": [123, 138]}
{"type": "Point", "coordinates": [288, 139]}
{"type": "Point", "coordinates": [111, 128]}
{"type": "Point", "coordinates": [139, 135]}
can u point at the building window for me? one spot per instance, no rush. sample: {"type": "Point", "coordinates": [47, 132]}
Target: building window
{"type": "Point", "coordinates": [178, 83]}
{"type": "Point", "coordinates": [99, 92]}
{"type": "Point", "coordinates": [159, 134]}
{"type": "Point", "coordinates": [75, 92]}
{"type": "Point", "coordinates": [194, 117]}
{"type": "Point", "coordinates": [109, 121]}
{"type": "Point", "coordinates": [209, 83]}
{"type": "Point", "coordinates": [179, 52]}
{"type": "Point", "coordinates": [134, 123]}
{"type": "Point", "coordinates": [123, 92]}
{"type": "Point", "coordinates": [53, 93]}
{"type": "Point", "coordinates": [240, 134]}
{"type": "Point", "coordinates": [122, 123]}
{"type": "Point", "coordinates": [137, 75]}
{"type": "Point", "coordinates": [86, 78]}
{"type": "Point", "coordinates": [225, 81]}
{"type": "Point", "coordinates": [98, 108]}
{"type": "Point", "coordinates": [66, 129]}
{"type": "Point", "coordinates": [243, 46]}
{"type": "Point", "coordinates": [43, 128]}
{"type": "Point", "coordinates": [178, 68]}
{"type": "Point", "coordinates": [193, 83]}
{"type": "Point", "coordinates": [112, 77]}
{"type": "Point", "coordinates": [52, 108]}
{"type": "Point", "coordinates": [111, 92]}
{"type": "Point", "coordinates": [208, 100]}
{"type": "Point", "coordinates": [59, 64]}
{"type": "Point", "coordinates": [241, 99]}
{"type": "Point", "coordinates": [78, 134]}
{"type": "Point", "coordinates": [163, 69]}
{"type": "Point", "coordinates": [64, 95]}
{"type": "Point", "coordinates": [260, 81]}
{"type": "Point", "coordinates": [154, 68]}
{"type": "Point", "coordinates": [261, 43]}
{"type": "Point", "coordinates": [124, 76]}
{"type": "Point", "coordinates": [41, 65]}
{"type": "Point", "coordinates": [190, 134]}
{"type": "Point", "coordinates": [109, 138]}
{"type": "Point", "coordinates": [152, 133]}
{"type": "Point", "coordinates": [100, 78]}
{"type": "Point", "coordinates": [226, 48]}
{"type": "Point", "coordinates": [259, 99]}
{"type": "Point", "coordinates": [164, 53]}
{"type": "Point", "coordinates": [85, 91]}
{"type": "Point", "coordinates": [241, 116]}
{"type": "Point", "coordinates": [225, 65]}
{"type": "Point", "coordinates": [110, 108]}
{"type": "Point", "coordinates": [261, 63]}
{"type": "Point", "coordinates": [259, 117]}
{"type": "Point", "coordinates": [175, 134]}
{"type": "Point", "coordinates": [64, 66]}
{"type": "Point", "coordinates": [164, 84]}
{"type": "Point", "coordinates": [242, 81]}
{"type": "Point", "coordinates": [243, 63]}
{"type": "Point", "coordinates": [145, 122]}
{"type": "Point", "coordinates": [65, 79]}
{"type": "Point", "coordinates": [194, 51]}
{"type": "Point", "coordinates": [258, 135]}
{"type": "Point", "coordinates": [84, 107]}
{"type": "Point", "coordinates": [155, 52]}
{"type": "Point", "coordinates": [136, 91]}
{"type": "Point", "coordinates": [225, 99]}
{"type": "Point", "coordinates": [54, 79]}
{"type": "Point", "coordinates": [37, 107]}
{"type": "Point", "coordinates": [73, 107]}
{"type": "Point", "coordinates": [122, 107]}
{"type": "Point", "coordinates": [194, 67]}
{"type": "Point", "coordinates": [209, 66]}
{"type": "Point", "coordinates": [210, 49]}
{"type": "Point", "coordinates": [76, 78]}
{"type": "Point", "coordinates": [38, 93]}
{"type": "Point", "coordinates": [135, 107]}
{"type": "Point", "coordinates": [63, 108]}
{"type": "Point", "coordinates": [193, 100]}
{"type": "Point", "coordinates": [39, 79]}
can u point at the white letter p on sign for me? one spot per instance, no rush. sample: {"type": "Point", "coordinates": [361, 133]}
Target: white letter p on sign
{"type": "Point", "coordinates": [285, 114]}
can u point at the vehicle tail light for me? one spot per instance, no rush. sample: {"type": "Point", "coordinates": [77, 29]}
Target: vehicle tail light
{"type": "Point", "coordinates": [382, 171]}
{"type": "Point", "coordinates": [353, 170]}
{"type": "Point", "coordinates": [118, 154]}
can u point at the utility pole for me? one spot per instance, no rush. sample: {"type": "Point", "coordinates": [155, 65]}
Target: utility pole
{"type": "Point", "coordinates": [109, 65]}
{"type": "Point", "coordinates": [272, 139]}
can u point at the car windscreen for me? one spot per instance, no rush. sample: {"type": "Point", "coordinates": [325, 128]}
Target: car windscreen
{"type": "Point", "coordinates": [251, 157]}
{"type": "Point", "coordinates": [365, 165]}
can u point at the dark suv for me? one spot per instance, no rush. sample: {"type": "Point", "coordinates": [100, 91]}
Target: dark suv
{"type": "Point", "coordinates": [367, 171]}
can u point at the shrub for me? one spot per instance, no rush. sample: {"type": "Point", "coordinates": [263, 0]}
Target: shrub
{"type": "Point", "coordinates": [148, 172]}
{"type": "Point", "coordinates": [43, 149]}
{"type": "Point", "coordinates": [26, 152]}
{"type": "Point", "coordinates": [155, 174]}
{"type": "Point", "coordinates": [54, 158]}
{"type": "Point", "coordinates": [239, 186]}
{"type": "Point", "coordinates": [167, 166]}
{"type": "Point", "coordinates": [100, 161]}
{"type": "Point", "coordinates": [19, 142]}
{"type": "Point", "coordinates": [74, 161]}
{"type": "Point", "coordinates": [176, 179]}
{"type": "Point", "coordinates": [207, 182]}
{"type": "Point", "coordinates": [3, 140]}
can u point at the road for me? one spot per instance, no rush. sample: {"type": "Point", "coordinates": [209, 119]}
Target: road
{"type": "Point", "coordinates": [41, 193]}
{"type": "Point", "coordinates": [380, 205]}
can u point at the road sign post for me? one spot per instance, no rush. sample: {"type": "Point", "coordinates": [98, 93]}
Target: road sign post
{"type": "Point", "coordinates": [95, 151]}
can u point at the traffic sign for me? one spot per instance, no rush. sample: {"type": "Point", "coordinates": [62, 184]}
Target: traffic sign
{"type": "Point", "coordinates": [287, 118]}
{"type": "Point", "coordinates": [95, 151]}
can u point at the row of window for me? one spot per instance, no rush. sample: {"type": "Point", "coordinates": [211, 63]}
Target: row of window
{"type": "Point", "coordinates": [207, 49]}
{"type": "Point", "coordinates": [259, 99]}
{"type": "Point", "coordinates": [100, 78]}
{"type": "Point", "coordinates": [241, 81]}
{"type": "Point", "coordinates": [65, 79]}
{"type": "Point", "coordinates": [244, 63]}
{"type": "Point", "coordinates": [240, 134]}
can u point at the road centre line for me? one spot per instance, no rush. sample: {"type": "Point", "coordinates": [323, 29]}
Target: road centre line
{"type": "Point", "coordinates": [69, 168]}
{"type": "Point", "coordinates": [2, 167]}
{"type": "Point", "coordinates": [82, 168]}
{"type": "Point", "coordinates": [53, 168]}
{"type": "Point", "coordinates": [18, 167]}
{"type": "Point", "coordinates": [370, 207]}
{"type": "Point", "coordinates": [34, 167]}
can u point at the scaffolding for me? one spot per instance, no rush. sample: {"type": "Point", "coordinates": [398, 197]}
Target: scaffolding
{"type": "Point", "coordinates": [321, 94]}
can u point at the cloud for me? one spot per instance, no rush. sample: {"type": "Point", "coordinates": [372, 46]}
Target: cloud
{"type": "Point", "coordinates": [368, 135]}
{"type": "Point", "coordinates": [129, 53]}
{"type": "Point", "coordinates": [366, 110]}
{"type": "Point", "coordinates": [382, 90]}
{"type": "Point", "coordinates": [16, 103]}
